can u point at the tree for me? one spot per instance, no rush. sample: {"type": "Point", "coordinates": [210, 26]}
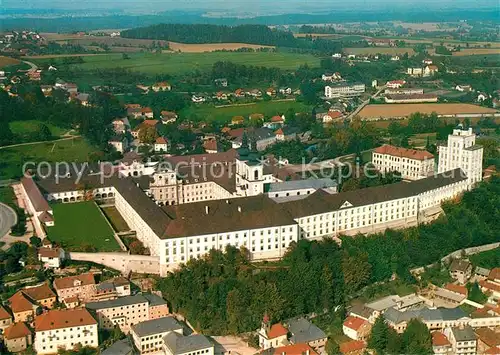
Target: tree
{"type": "Point", "coordinates": [6, 134]}
{"type": "Point", "coordinates": [148, 135]}
{"type": "Point", "coordinates": [332, 348]}
{"type": "Point", "coordinates": [475, 294]}
{"type": "Point", "coordinates": [379, 336]}
{"type": "Point", "coordinates": [416, 338]}
{"type": "Point", "coordinates": [356, 271]}
{"type": "Point", "coordinates": [125, 56]}
{"type": "Point", "coordinates": [36, 242]}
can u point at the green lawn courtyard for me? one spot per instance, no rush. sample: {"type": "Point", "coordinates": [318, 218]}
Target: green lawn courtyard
{"type": "Point", "coordinates": [81, 227]}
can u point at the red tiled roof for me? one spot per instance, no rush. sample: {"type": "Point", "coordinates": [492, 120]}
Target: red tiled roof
{"type": "Point", "coordinates": [354, 322]}
{"type": "Point", "coordinates": [161, 140]}
{"type": "Point", "coordinates": [49, 252]}
{"type": "Point", "coordinates": [237, 119]}
{"type": "Point", "coordinates": [63, 318]}
{"type": "Point", "coordinates": [276, 119]}
{"type": "Point", "coordinates": [150, 122]}
{"type": "Point", "coordinates": [456, 288]}
{"type": "Point", "coordinates": [146, 110]}
{"type": "Point", "coordinates": [4, 314]}
{"type": "Point", "coordinates": [494, 274]}
{"type": "Point", "coordinates": [45, 217]}
{"type": "Point", "coordinates": [489, 285]}
{"type": "Point", "coordinates": [439, 339]}
{"type": "Point", "coordinates": [334, 114]}
{"type": "Point", "coordinates": [34, 194]}
{"type": "Point", "coordinates": [403, 152]}
{"type": "Point", "coordinates": [488, 336]}
{"type": "Point", "coordinates": [295, 349]}
{"type": "Point", "coordinates": [211, 144]}
{"type": "Point", "coordinates": [350, 346]}
{"type": "Point", "coordinates": [132, 106]}
{"type": "Point", "coordinates": [20, 303]}
{"type": "Point", "coordinates": [493, 351]}
{"type": "Point", "coordinates": [277, 330]}
{"type": "Point", "coordinates": [69, 281]}
{"type": "Point", "coordinates": [279, 132]}
{"type": "Point", "coordinates": [40, 292]}
{"type": "Point", "coordinates": [16, 330]}
{"type": "Point", "coordinates": [163, 84]}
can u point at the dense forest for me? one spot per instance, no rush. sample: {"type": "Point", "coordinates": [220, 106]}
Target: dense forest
{"type": "Point", "coordinates": [319, 275]}
{"type": "Point", "coordinates": [253, 34]}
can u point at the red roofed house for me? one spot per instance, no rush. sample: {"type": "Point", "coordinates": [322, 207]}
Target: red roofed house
{"type": "Point", "coordinates": [24, 302]}
{"type": "Point", "coordinates": [64, 329]}
{"type": "Point", "coordinates": [271, 92]}
{"type": "Point", "coordinates": [295, 349]}
{"type": "Point", "coordinates": [37, 205]}
{"type": "Point", "coordinates": [237, 120]}
{"type": "Point", "coordinates": [486, 339]}
{"type": "Point", "coordinates": [5, 318]}
{"type": "Point", "coordinates": [332, 115]}
{"type": "Point", "coordinates": [17, 337]}
{"type": "Point", "coordinates": [161, 145]}
{"type": "Point", "coordinates": [272, 336]}
{"type": "Point", "coordinates": [430, 70]}
{"type": "Point", "coordinates": [395, 84]}
{"type": "Point", "coordinates": [168, 117]}
{"type": "Point", "coordinates": [50, 257]}
{"type": "Point", "coordinates": [410, 163]}
{"type": "Point", "coordinates": [440, 343]}
{"type": "Point", "coordinates": [354, 347]}
{"type": "Point", "coordinates": [356, 328]}
{"type": "Point", "coordinates": [147, 112]}
{"type": "Point", "coordinates": [211, 146]}
{"type": "Point", "coordinates": [162, 86]}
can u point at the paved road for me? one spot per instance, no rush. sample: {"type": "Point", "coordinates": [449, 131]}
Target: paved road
{"type": "Point", "coordinates": [7, 219]}
{"type": "Point", "coordinates": [32, 65]}
{"type": "Point", "coordinates": [364, 103]}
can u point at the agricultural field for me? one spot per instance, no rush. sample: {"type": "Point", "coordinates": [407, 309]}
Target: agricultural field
{"type": "Point", "coordinates": [23, 128]}
{"type": "Point", "coordinates": [386, 111]}
{"type": "Point", "coordinates": [8, 61]}
{"type": "Point", "coordinates": [380, 50]}
{"type": "Point", "coordinates": [178, 63]}
{"type": "Point", "coordinates": [81, 225]}
{"type": "Point", "coordinates": [13, 158]}
{"type": "Point", "coordinates": [210, 47]}
{"type": "Point", "coordinates": [224, 114]}
{"type": "Point", "coordinates": [477, 51]}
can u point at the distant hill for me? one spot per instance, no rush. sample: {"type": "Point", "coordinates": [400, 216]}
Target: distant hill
{"type": "Point", "coordinates": [201, 33]}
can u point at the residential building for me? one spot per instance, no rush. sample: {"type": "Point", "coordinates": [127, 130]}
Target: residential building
{"type": "Point", "coordinates": [119, 142]}
{"type": "Point", "coordinates": [412, 164]}
{"type": "Point", "coordinates": [81, 286]}
{"type": "Point", "coordinates": [463, 340]}
{"type": "Point", "coordinates": [344, 90]}
{"type": "Point", "coordinates": [39, 295]}
{"type": "Point", "coordinates": [161, 86]}
{"type": "Point", "coordinates": [463, 88]}
{"type": "Point", "coordinates": [195, 344]}
{"type": "Point", "coordinates": [63, 329]}
{"type": "Point", "coordinates": [51, 257]}
{"type": "Point", "coordinates": [461, 270]}
{"type": "Point", "coordinates": [272, 335]}
{"type": "Point", "coordinates": [486, 339]}
{"type": "Point", "coordinates": [462, 152]}
{"type": "Point", "coordinates": [353, 347]}
{"type": "Point", "coordinates": [17, 337]}
{"type": "Point", "coordinates": [294, 349]}
{"type": "Point", "coordinates": [303, 331]}
{"type": "Point", "coordinates": [221, 82]}
{"type": "Point", "coordinates": [122, 286]}
{"type": "Point", "coordinates": [440, 343]}
{"type": "Point", "coordinates": [415, 71]}
{"type": "Point", "coordinates": [430, 70]}
{"type": "Point", "coordinates": [148, 335]}
{"type": "Point", "coordinates": [332, 115]}
{"type": "Point", "coordinates": [5, 318]}
{"type": "Point", "coordinates": [356, 328]}
{"type": "Point", "coordinates": [395, 84]}
{"type": "Point", "coordinates": [161, 145]}
{"type": "Point", "coordinates": [212, 146]}
{"type": "Point", "coordinates": [23, 309]}
{"type": "Point", "coordinates": [331, 76]}
{"type": "Point", "coordinates": [168, 117]}
{"type": "Point", "coordinates": [237, 120]}
{"type": "Point", "coordinates": [124, 311]}
{"type": "Point", "coordinates": [158, 307]}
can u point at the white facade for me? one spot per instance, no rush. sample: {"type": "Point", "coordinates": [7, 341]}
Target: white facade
{"type": "Point", "coordinates": [344, 90]}
{"type": "Point", "coordinates": [410, 168]}
{"type": "Point", "coordinates": [462, 152]}
{"type": "Point", "coordinates": [48, 342]}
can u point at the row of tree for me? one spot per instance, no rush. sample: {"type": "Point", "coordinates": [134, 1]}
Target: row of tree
{"type": "Point", "coordinates": [315, 276]}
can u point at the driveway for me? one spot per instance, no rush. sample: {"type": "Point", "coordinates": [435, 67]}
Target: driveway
{"type": "Point", "coordinates": [7, 219]}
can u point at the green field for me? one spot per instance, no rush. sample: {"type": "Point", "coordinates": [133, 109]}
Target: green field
{"type": "Point", "coordinates": [73, 150]}
{"type": "Point", "coordinates": [27, 127]}
{"type": "Point", "coordinates": [81, 225]}
{"type": "Point", "coordinates": [178, 63]}
{"type": "Point", "coordinates": [116, 219]}
{"type": "Point", "coordinates": [224, 114]}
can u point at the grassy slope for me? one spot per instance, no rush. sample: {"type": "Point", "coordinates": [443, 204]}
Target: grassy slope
{"type": "Point", "coordinates": [175, 63]}
{"type": "Point", "coordinates": [224, 114]}
{"type": "Point", "coordinates": [81, 223]}
{"type": "Point", "coordinates": [26, 127]}
{"type": "Point", "coordinates": [12, 159]}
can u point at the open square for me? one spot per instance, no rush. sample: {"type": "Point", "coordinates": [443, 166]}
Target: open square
{"type": "Point", "coordinates": [80, 225]}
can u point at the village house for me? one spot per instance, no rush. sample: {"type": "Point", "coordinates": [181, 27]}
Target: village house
{"type": "Point", "coordinates": [331, 77]}
{"type": "Point", "coordinates": [254, 117]}
{"type": "Point", "coordinates": [133, 110]}
{"type": "Point", "coordinates": [5, 318]}
{"type": "Point", "coordinates": [285, 134]}
{"type": "Point", "coordinates": [487, 339]}
{"type": "Point", "coordinates": [121, 125]}
{"type": "Point", "coordinates": [430, 70]}
{"type": "Point", "coordinates": [119, 143]}
{"type": "Point", "coordinates": [161, 145]}
{"type": "Point", "coordinates": [285, 91]}
{"type": "Point", "coordinates": [161, 86]}
{"type": "Point", "coordinates": [440, 343]}
{"type": "Point", "coordinates": [198, 99]}
{"type": "Point", "coordinates": [271, 92]}
{"type": "Point", "coordinates": [239, 93]}
{"type": "Point", "coordinates": [353, 347]}
{"type": "Point", "coordinates": [46, 89]}
{"type": "Point", "coordinates": [158, 307]}
{"type": "Point", "coordinates": [237, 120]}
{"type": "Point", "coordinates": [331, 116]}
{"type": "Point", "coordinates": [294, 349]}
{"type": "Point", "coordinates": [148, 335]}
{"type": "Point", "coordinates": [492, 285]}
{"type": "Point", "coordinates": [482, 97]}
{"type": "Point", "coordinates": [168, 117]}
{"type": "Point", "coordinates": [81, 286]}
{"type": "Point", "coordinates": [463, 88]}
{"type": "Point", "coordinates": [272, 335]}
{"type": "Point", "coordinates": [356, 328]}
{"type": "Point", "coordinates": [24, 303]}
{"type": "Point", "coordinates": [144, 125]}
{"type": "Point", "coordinates": [221, 82]}
{"type": "Point", "coordinates": [17, 337]}
{"type": "Point", "coordinates": [254, 93]}
{"type": "Point", "coordinates": [303, 331]}
{"type": "Point", "coordinates": [34, 75]}
{"type": "Point", "coordinates": [221, 96]}
{"type": "Point", "coordinates": [147, 112]}
{"type": "Point", "coordinates": [461, 270]}
{"type": "Point", "coordinates": [51, 257]}
{"type": "Point", "coordinates": [395, 84]}
{"type": "Point", "coordinates": [63, 329]}
{"type": "Point", "coordinates": [212, 146]}
{"type": "Point", "coordinates": [143, 88]}
{"type": "Point", "coordinates": [415, 71]}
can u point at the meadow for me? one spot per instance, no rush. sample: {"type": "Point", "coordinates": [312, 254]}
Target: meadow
{"type": "Point", "coordinates": [13, 158]}
{"type": "Point", "coordinates": [23, 128]}
{"type": "Point", "coordinates": [178, 63]}
{"type": "Point", "coordinates": [7, 61]}
{"type": "Point", "coordinates": [380, 50]}
{"type": "Point", "coordinates": [78, 225]}
{"type": "Point", "coordinates": [224, 114]}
